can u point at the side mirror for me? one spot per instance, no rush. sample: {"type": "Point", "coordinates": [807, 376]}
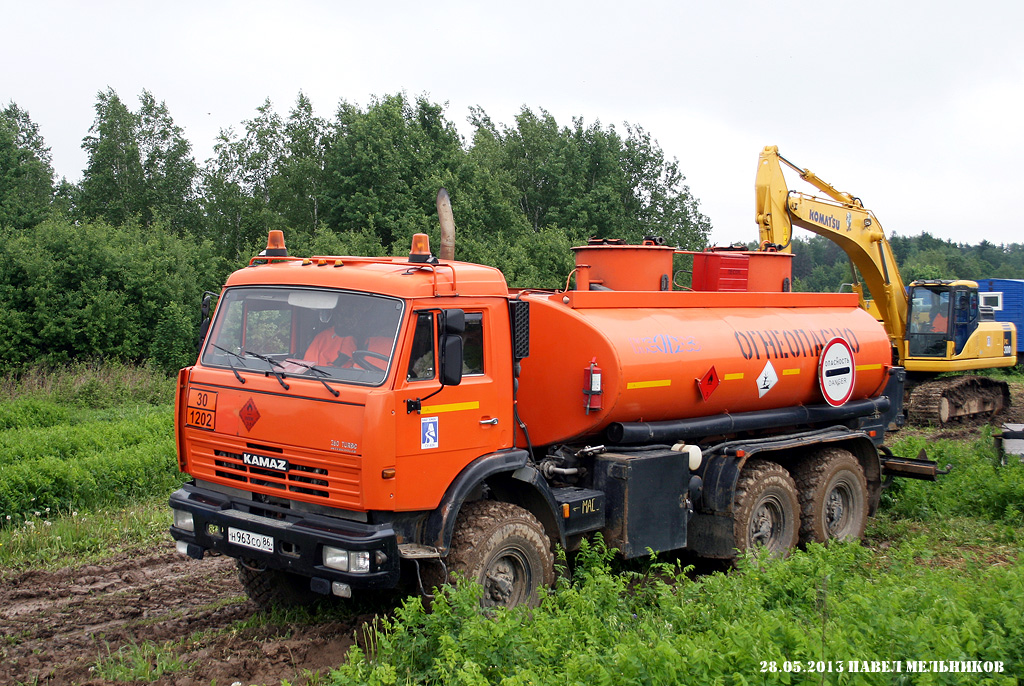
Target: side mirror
{"type": "Point", "coordinates": [453, 322]}
{"type": "Point", "coordinates": [204, 307]}
{"type": "Point", "coordinates": [204, 318]}
{"type": "Point", "coordinates": [451, 359]}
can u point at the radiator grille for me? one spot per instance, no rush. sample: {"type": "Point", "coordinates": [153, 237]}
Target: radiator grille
{"type": "Point", "coordinates": [299, 478]}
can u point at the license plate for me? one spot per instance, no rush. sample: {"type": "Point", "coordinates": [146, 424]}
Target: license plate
{"type": "Point", "coordinates": [251, 540]}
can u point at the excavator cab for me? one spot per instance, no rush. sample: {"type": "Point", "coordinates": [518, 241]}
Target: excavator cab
{"type": "Point", "coordinates": [940, 311]}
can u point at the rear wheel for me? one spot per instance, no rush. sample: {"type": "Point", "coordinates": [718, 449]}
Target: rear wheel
{"type": "Point", "coordinates": [766, 511]}
{"type": "Point", "coordinates": [270, 588]}
{"type": "Point", "coordinates": [833, 496]}
{"type": "Point", "coordinates": [503, 548]}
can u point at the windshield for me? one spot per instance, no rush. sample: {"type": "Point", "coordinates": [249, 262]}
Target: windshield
{"type": "Point", "coordinates": [325, 334]}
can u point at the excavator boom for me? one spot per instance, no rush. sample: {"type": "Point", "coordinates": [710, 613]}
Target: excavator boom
{"type": "Point", "coordinates": [842, 219]}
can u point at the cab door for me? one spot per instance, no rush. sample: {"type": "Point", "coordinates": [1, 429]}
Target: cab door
{"type": "Point", "coordinates": [965, 319]}
{"type": "Point", "coordinates": [453, 425]}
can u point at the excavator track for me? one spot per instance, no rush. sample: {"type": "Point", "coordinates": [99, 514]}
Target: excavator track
{"type": "Point", "coordinates": [942, 401]}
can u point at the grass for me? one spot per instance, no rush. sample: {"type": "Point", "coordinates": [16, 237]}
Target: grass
{"type": "Point", "coordinates": [84, 438]}
{"type": "Point", "coordinates": [824, 605]}
{"type": "Point", "coordinates": [133, 662]}
{"type": "Point", "coordinates": [940, 577]}
{"type": "Point", "coordinates": [54, 539]}
{"type": "Point", "coordinates": [978, 485]}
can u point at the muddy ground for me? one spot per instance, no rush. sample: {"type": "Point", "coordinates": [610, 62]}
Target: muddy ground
{"type": "Point", "coordinates": [56, 625]}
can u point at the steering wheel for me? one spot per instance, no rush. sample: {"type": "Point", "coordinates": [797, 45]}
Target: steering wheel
{"type": "Point", "coordinates": [362, 359]}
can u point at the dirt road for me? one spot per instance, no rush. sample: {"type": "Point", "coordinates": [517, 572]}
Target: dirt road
{"type": "Point", "coordinates": [55, 626]}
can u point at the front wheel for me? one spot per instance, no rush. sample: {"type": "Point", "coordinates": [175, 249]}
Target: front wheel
{"type": "Point", "coordinates": [766, 512]}
{"type": "Point", "coordinates": [274, 588]}
{"type": "Point", "coordinates": [504, 548]}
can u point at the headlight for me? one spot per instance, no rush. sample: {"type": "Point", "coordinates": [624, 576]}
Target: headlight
{"type": "Point", "coordinates": [336, 558]}
{"type": "Point", "coordinates": [183, 520]}
{"type": "Point", "coordinates": [354, 561]}
{"type": "Point", "coordinates": [359, 563]}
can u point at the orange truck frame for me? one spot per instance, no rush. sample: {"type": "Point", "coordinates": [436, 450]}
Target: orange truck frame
{"type": "Point", "coordinates": [360, 423]}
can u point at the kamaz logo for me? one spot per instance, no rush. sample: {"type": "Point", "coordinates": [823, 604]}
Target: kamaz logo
{"type": "Point", "coordinates": [825, 220]}
{"type": "Point", "coordinates": [275, 463]}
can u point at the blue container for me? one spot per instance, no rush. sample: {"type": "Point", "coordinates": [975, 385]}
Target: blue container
{"type": "Point", "coordinates": [1006, 298]}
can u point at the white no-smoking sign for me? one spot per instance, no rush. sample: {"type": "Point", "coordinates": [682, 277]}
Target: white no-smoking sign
{"type": "Point", "coordinates": [836, 372]}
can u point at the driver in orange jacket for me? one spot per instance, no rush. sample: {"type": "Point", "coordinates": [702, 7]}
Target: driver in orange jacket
{"type": "Point", "coordinates": [335, 345]}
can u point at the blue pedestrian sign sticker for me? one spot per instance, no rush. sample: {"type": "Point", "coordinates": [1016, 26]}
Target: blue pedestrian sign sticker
{"type": "Point", "coordinates": [428, 432]}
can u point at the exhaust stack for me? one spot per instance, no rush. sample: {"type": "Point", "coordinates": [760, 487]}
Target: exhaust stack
{"type": "Point", "coordinates": [444, 214]}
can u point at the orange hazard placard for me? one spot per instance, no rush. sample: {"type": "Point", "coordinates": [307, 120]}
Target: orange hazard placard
{"type": "Point", "coordinates": [201, 409]}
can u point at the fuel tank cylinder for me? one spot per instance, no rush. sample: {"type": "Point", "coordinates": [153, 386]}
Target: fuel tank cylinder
{"type": "Point", "coordinates": [602, 357]}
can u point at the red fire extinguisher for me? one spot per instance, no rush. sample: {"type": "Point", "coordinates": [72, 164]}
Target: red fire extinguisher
{"type": "Point", "coordinates": [592, 387]}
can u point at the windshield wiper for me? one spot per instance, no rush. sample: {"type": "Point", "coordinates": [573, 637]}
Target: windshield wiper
{"type": "Point", "coordinates": [314, 368]}
{"type": "Point", "coordinates": [273, 363]}
{"type": "Point", "coordinates": [231, 352]}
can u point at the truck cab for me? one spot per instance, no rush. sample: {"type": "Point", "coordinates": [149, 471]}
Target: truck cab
{"type": "Point", "coordinates": [333, 404]}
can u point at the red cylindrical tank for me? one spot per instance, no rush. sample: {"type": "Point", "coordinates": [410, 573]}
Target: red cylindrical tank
{"type": "Point", "coordinates": [676, 355]}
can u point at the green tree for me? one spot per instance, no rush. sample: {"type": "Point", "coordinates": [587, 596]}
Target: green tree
{"type": "Point", "coordinates": [26, 171]}
{"type": "Point", "coordinates": [297, 188]}
{"type": "Point", "coordinates": [385, 165]}
{"type": "Point", "coordinates": [589, 180]}
{"type": "Point", "coordinates": [173, 344]}
{"type": "Point", "coordinates": [140, 167]}
{"type": "Point", "coordinates": [170, 173]}
{"type": "Point", "coordinates": [113, 184]}
{"type": "Point", "coordinates": [237, 183]}
{"type": "Point", "coordinates": [84, 290]}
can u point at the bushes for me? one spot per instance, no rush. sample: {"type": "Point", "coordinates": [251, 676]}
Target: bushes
{"type": "Point", "coordinates": [832, 605]}
{"type": "Point", "coordinates": [978, 484]}
{"type": "Point", "coordinates": [75, 292]}
{"type": "Point", "coordinates": [950, 592]}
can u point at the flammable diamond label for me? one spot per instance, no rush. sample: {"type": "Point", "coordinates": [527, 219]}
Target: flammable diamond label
{"type": "Point", "coordinates": [249, 415]}
{"type": "Point", "coordinates": [766, 380]}
{"type": "Point", "coordinates": [708, 383]}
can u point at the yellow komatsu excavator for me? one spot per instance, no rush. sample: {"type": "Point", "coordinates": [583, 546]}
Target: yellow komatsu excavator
{"type": "Point", "coordinates": [934, 325]}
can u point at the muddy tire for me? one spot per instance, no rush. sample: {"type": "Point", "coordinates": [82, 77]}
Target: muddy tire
{"type": "Point", "coordinates": [833, 497]}
{"type": "Point", "coordinates": [503, 548]}
{"type": "Point", "coordinates": [273, 588]}
{"type": "Point", "coordinates": [766, 510]}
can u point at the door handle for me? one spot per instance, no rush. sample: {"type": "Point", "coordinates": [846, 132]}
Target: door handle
{"type": "Point", "coordinates": [492, 422]}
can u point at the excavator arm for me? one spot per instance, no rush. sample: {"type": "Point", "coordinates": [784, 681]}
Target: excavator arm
{"type": "Point", "coordinates": [842, 219]}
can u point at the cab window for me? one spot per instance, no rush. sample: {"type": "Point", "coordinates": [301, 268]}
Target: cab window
{"type": "Point", "coordinates": [421, 361]}
{"type": "Point", "coordinates": [473, 345]}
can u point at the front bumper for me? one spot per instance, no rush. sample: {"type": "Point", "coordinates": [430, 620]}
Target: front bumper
{"type": "Point", "coordinates": [298, 538]}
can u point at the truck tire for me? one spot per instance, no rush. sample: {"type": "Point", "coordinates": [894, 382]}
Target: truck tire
{"type": "Point", "coordinates": [273, 588]}
{"type": "Point", "coordinates": [766, 511]}
{"type": "Point", "coordinates": [833, 496]}
{"type": "Point", "coordinates": [503, 548]}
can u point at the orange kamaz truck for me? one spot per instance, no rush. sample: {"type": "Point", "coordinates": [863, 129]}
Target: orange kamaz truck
{"type": "Point", "coordinates": [358, 423]}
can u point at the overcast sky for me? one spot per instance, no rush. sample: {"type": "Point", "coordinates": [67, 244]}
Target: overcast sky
{"type": "Point", "coordinates": [915, 107]}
